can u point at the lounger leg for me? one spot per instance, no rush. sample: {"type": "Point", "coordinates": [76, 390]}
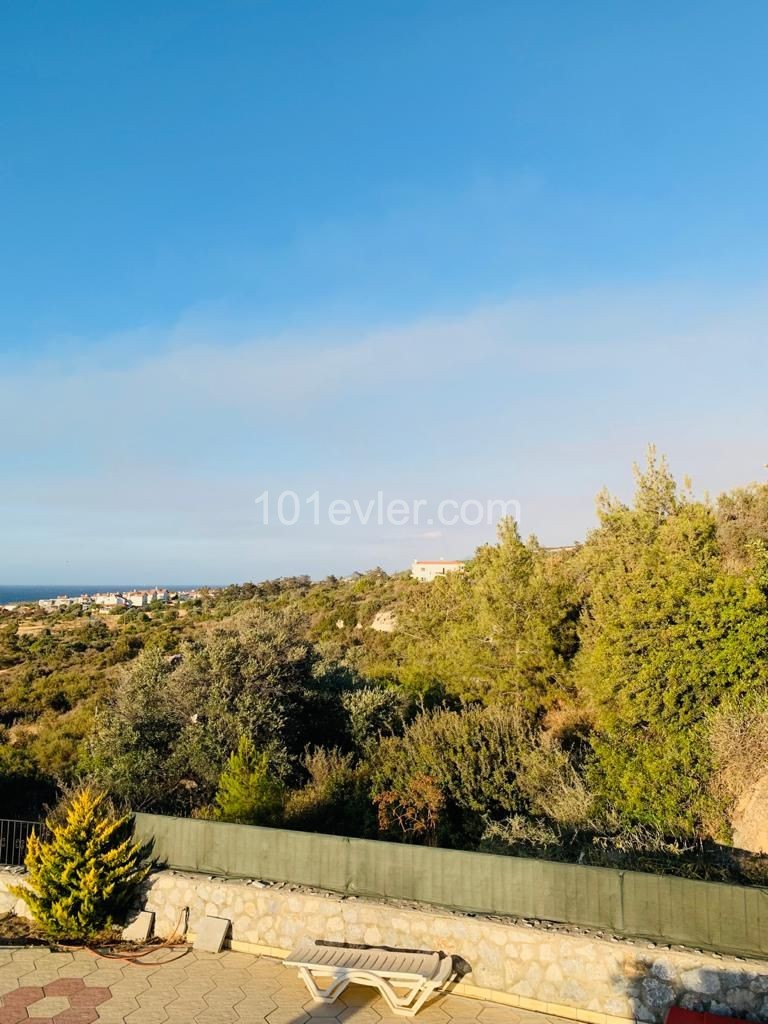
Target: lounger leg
{"type": "Point", "coordinates": [422, 997]}
{"type": "Point", "coordinates": [330, 993]}
{"type": "Point", "coordinates": [407, 1005]}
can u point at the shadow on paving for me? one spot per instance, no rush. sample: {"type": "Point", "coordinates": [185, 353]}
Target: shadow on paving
{"type": "Point", "coordinates": [196, 988]}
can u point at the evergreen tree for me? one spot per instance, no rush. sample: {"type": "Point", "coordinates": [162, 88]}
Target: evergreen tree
{"type": "Point", "coordinates": [250, 791]}
{"type": "Point", "coordinates": [502, 630]}
{"type": "Point", "coordinates": [668, 634]}
{"type": "Point", "coordinates": [82, 879]}
{"type": "Point", "coordinates": [742, 520]}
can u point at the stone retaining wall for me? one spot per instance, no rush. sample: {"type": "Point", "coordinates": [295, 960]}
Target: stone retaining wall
{"type": "Point", "coordinates": [597, 979]}
{"type": "Point", "coordinates": [8, 902]}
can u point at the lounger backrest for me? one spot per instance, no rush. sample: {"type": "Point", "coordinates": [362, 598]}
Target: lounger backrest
{"type": "Point", "coordinates": [377, 960]}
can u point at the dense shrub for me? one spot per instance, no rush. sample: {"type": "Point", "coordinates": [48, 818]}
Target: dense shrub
{"type": "Point", "coordinates": [335, 798]}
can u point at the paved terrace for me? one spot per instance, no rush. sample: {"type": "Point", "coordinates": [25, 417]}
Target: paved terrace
{"type": "Point", "coordinates": [178, 987]}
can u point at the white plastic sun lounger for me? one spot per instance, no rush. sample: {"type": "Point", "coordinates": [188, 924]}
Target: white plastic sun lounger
{"type": "Point", "coordinates": [415, 975]}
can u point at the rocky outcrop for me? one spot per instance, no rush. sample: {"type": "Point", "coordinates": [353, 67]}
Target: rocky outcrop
{"type": "Point", "coordinates": [384, 622]}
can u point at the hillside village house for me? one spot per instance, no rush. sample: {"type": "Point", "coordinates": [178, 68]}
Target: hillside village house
{"type": "Point", "coordinates": [55, 604]}
{"type": "Point", "coordinates": [132, 598]}
{"type": "Point", "coordinates": [129, 599]}
{"type": "Point", "coordinates": [427, 571]}
{"type": "Point", "coordinates": [110, 600]}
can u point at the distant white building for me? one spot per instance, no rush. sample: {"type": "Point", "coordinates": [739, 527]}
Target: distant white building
{"type": "Point", "coordinates": [110, 600]}
{"type": "Point", "coordinates": [427, 571]}
{"type": "Point", "coordinates": [137, 598]}
{"type": "Point", "coordinates": [53, 604]}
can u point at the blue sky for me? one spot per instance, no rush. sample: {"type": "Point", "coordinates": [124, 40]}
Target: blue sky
{"type": "Point", "coordinates": [472, 250]}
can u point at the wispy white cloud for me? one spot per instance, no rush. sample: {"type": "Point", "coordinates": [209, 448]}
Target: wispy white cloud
{"type": "Point", "coordinates": [183, 372]}
{"type": "Point", "coordinates": [208, 368]}
{"type": "Point", "coordinates": [157, 450]}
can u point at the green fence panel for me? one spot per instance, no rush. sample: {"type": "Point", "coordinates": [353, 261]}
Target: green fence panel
{"type": "Point", "coordinates": [661, 908]}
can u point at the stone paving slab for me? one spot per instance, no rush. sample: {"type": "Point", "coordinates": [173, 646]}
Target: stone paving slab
{"type": "Point", "coordinates": [180, 986]}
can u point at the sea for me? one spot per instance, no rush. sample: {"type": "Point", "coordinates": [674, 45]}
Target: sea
{"type": "Point", "coordinates": [13, 594]}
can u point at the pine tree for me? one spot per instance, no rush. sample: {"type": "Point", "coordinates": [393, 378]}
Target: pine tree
{"type": "Point", "coordinates": [84, 877]}
{"type": "Point", "coordinates": [668, 634]}
{"type": "Point", "coordinates": [249, 791]}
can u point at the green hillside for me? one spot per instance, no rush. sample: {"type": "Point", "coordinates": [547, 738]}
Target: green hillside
{"type": "Point", "coordinates": [605, 703]}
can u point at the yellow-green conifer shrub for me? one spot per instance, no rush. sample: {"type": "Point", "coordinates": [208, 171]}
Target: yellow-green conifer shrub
{"type": "Point", "coordinates": [83, 879]}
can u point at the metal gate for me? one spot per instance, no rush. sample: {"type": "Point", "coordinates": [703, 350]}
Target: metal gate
{"type": "Point", "coordinates": [14, 836]}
